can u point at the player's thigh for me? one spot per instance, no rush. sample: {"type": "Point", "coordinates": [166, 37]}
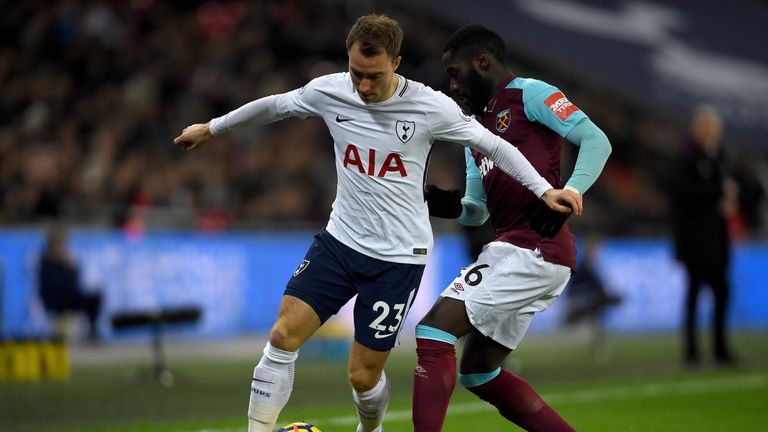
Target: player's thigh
{"type": "Point", "coordinates": [365, 366]}
{"type": "Point", "coordinates": [449, 315]}
{"type": "Point", "coordinates": [504, 288]}
{"type": "Point", "coordinates": [481, 354]}
{"type": "Point", "coordinates": [386, 292]}
{"type": "Point", "coordinates": [322, 279]}
{"type": "Point", "coordinates": [296, 322]}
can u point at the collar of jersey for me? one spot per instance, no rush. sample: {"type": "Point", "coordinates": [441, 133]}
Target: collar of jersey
{"type": "Point", "coordinates": [499, 89]}
{"type": "Point", "coordinates": [400, 84]}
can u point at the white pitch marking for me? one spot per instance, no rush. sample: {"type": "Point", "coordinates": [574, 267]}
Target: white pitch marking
{"type": "Point", "coordinates": [710, 385]}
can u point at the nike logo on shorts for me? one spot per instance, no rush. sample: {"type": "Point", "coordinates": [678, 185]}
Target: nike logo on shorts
{"type": "Point", "coordinates": [378, 335]}
{"type": "Point", "coordinates": [340, 119]}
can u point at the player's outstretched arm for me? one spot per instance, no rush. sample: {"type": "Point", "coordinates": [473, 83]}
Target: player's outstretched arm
{"type": "Point", "coordinates": [509, 159]}
{"type": "Point", "coordinates": [268, 109]}
{"type": "Point", "coordinates": [193, 136]}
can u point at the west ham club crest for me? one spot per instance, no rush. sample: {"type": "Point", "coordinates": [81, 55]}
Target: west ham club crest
{"type": "Point", "coordinates": [502, 120]}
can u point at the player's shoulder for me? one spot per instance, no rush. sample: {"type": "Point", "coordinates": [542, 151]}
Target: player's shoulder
{"type": "Point", "coordinates": [437, 105]}
{"type": "Point", "coordinates": [426, 96]}
{"type": "Point", "coordinates": [331, 81]}
{"type": "Point", "coordinates": [414, 90]}
{"type": "Point", "coordinates": [531, 87]}
{"type": "Point", "coordinates": [321, 89]}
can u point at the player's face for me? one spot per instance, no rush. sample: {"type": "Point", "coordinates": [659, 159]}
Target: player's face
{"type": "Point", "coordinates": [373, 77]}
{"type": "Point", "coordinates": [472, 91]}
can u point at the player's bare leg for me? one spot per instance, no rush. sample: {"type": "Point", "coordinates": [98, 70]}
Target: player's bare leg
{"type": "Point", "coordinates": [515, 399]}
{"type": "Point", "coordinates": [273, 376]}
{"type": "Point", "coordinates": [435, 374]}
{"type": "Point", "coordinates": [370, 389]}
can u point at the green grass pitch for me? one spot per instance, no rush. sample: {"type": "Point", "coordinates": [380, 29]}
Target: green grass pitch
{"type": "Point", "coordinates": [642, 388]}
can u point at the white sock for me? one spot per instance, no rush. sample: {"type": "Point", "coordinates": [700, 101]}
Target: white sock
{"type": "Point", "coordinates": [271, 388]}
{"type": "Point", "coordinates": [372, 404]}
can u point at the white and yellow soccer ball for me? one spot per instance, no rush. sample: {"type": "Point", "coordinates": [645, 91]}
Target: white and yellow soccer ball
{"type": "Point", "coordinates": [299, 427]}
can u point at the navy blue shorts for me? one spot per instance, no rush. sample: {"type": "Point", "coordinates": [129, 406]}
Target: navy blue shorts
{"type": "Point", "coordinates": [332, 273]}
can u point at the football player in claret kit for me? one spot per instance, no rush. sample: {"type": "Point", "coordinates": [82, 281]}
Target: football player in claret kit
{"type": "Point", "coordinates": [526, 267]}
{"type": "Point", "coordinates": [378, 237]}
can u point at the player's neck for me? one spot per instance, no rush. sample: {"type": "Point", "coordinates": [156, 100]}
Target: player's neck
{"type": "Point", "coordinates": [392, 87]}
{"type": "Point", "coordinates": [499, 74]}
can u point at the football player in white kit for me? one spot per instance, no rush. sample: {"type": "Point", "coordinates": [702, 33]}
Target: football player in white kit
{"type": "Point", "coordinates": [378, 237]}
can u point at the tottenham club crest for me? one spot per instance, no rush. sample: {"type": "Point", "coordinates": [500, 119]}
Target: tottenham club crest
{"type": "Point", "coordinates": [502, 120]}
{"type": "Point", "coordinates": [405, 130]}
{"type": "Point", "coordinates": [304, 264]}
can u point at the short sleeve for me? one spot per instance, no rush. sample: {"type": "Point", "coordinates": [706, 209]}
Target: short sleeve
{"type": "Point", "coordinates": [546, 104]}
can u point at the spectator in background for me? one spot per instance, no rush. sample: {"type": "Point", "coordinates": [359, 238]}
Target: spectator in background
{"type": "Point", "coordinates": [587, 300]}
{"type": "Point", "coordinates": [702, 198]}
{"type": "Point", "coordinates": [59, 284]}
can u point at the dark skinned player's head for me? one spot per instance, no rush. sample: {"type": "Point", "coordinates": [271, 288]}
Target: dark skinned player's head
{"type": "Point", "coordinates": [467, 57]}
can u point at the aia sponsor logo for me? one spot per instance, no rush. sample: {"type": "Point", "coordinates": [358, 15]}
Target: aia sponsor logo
{"type": "Point", "coordinates": [392, 163]}
{"type": "Point", "coordinates": [560, 105]}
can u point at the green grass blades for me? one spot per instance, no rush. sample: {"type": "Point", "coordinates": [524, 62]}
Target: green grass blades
{"type": "Point", "coordinates": [641, 387]}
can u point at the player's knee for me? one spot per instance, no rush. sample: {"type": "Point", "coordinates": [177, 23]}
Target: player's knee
{"type": "Point", "coordinates": [363, 379]}
{"type": "Point", "coordinates": [471, 381]}
{"type": "Point", "coordinates": [280, 337]}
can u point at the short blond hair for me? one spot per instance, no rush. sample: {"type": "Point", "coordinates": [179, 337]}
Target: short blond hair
{"type": "Point", "coordinates": [376, 34]}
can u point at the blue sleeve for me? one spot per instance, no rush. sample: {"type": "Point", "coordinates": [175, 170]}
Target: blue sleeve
{"type": "Point", "coordinates": [594, 149]}
{"type": "Point", "coordinates": [474, 209]}
{"type": "Point", "coordinates": [546, 104]}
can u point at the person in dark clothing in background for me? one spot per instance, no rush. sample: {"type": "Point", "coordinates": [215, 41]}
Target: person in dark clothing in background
{"type": "Point", "coordinates": [59, 283]}
{"type": "Point", "coordinates": [701, 199]}
{"type": "Point", "coordinates": [588, 300]}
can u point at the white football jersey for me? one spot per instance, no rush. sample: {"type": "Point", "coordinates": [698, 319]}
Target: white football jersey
{"type": "Point", "coordinates": [381, 152]}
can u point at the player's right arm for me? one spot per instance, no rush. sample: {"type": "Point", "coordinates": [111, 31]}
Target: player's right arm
{"type": "Point", "coordinates": [269, 109]}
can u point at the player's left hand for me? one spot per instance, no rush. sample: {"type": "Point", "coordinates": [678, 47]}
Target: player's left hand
{"type": "Point", "coordinates": [545, 221]}
{"type": "Point", "coordinates": [563, 201]}
{"type": "Point", "coordinates": [547, 217]}
{"type": "Point", "coordinates": [443, 203]}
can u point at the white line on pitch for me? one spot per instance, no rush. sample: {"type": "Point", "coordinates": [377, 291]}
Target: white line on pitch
{"type": "Point", "coordinates": [710, 385]}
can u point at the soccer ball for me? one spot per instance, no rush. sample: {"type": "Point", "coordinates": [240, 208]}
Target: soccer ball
{"type": "Point", "coordinates": [299, 427]}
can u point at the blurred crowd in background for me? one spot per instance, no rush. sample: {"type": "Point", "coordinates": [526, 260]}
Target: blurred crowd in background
{"type": "Point", "coordinates": [93, 93]}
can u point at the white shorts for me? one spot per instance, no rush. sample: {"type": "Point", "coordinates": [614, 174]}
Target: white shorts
{"type": "Point", "coordinates": [505, 287]}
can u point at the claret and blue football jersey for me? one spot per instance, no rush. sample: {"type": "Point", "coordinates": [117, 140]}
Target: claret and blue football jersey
{"type": "Point", "coordinates": [534, 117]}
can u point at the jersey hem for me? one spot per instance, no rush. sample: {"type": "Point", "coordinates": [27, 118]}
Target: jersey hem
{"type": "Point", "coordinates": [342, 237]}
